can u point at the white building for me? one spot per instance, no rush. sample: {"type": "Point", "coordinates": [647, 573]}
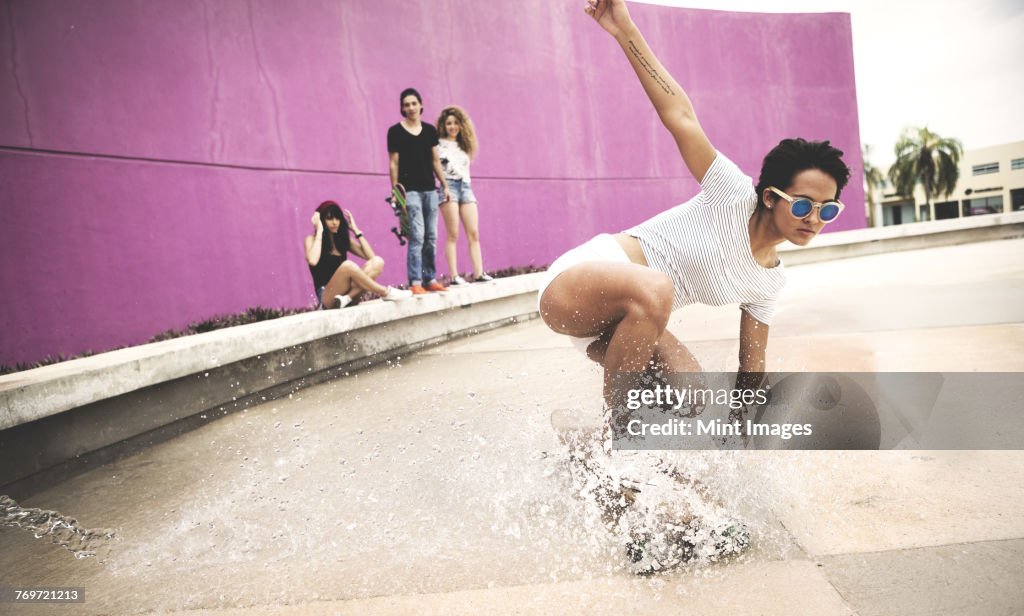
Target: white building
{"type": "Point", "coordinates": [991, 181]}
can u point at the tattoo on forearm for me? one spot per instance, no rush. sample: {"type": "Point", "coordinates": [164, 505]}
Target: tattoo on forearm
{"type": "Point", "coordinates": [658, 79]}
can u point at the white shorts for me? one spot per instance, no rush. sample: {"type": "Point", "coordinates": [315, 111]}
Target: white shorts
{"type": "Point", "coordinates": [600, 249]}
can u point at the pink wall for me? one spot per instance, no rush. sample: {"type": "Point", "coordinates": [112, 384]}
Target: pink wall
{"type": "Point", "coordinates": [159, 161]}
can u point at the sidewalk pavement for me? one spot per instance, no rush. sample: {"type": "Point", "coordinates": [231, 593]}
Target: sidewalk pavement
{"type": "Point", "coordinates": [434, 484]}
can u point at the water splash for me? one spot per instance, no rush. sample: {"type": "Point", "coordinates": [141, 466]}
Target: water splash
{"type": "Point", "coordinates": [62, 530]}
{"type": "Point", "coordinates": [701, 496]}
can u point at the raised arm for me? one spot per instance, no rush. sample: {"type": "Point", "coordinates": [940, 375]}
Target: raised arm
{"type": "Point", "coordinates": [359, 245]}
{"type": "Point", "coordinates": [314, 242]}
{"type": "Point", "coordinates": [669, 100]}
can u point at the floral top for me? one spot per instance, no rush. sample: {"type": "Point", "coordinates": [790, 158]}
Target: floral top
{"type": "Point", "coordinates": [454, 160]}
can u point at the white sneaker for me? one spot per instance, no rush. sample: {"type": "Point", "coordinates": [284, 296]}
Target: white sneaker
{"type": "Point", "coordinates": [458, 281]}
{"type": "Point", "coordinates": [484, 278]}
{"type": "Point", "coordinates": [394, 295]}
{"type": "Point", "coordinates": [342, 300]}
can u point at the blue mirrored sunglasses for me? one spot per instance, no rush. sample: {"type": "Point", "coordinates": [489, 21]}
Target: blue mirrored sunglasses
{"type": "Point", "coordinates": [801, 207]}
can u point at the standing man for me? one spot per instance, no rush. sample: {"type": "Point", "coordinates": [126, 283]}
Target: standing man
{"type": "Point", "coordinates": [412, 148]}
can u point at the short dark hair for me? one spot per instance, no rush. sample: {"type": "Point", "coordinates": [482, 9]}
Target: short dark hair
{"type": "Point", "coordinates": [408, 92]}
{"type": "Point", "coordinates": [792, 156]}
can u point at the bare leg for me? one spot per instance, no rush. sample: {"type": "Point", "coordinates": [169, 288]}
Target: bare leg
{"type": "Point", "coordinates": [670, 355]}
{"type": "Point", "coordinates": [471, 220]}
{"type": "Point", "coordinates": [649, 500]}
{"type": "Point", "coordinates": [450, 212]}
{"type": "Point", "coordinates": [632, 301]}
{"type": "Point", "coordinates": [350, 278]}
{"type": "Point", "coordinates": [371, 268]}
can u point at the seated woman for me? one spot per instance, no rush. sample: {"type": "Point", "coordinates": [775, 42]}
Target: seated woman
{"type": "Point", "coordinates": [334, 277]}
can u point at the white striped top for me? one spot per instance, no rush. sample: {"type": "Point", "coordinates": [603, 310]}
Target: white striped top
{"type": "Point", "coordinates": [704, 246]}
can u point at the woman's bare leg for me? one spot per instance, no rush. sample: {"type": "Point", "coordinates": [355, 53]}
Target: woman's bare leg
{"type": "Point", "coordinates": [670, 354]}
{"type": "Point", "coordinates": [450, 213]}
{"type": "Point", "coordinates": [471, 221]}
{"type": "Point", "coordinates": [350, 278]}
{"type": "Point", "coordinates": [371, 268]}
{"type": "Point", "coordinates": [632, 301]}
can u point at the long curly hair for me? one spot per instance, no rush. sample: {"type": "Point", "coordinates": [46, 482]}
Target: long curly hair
{"type": "Point", "coordinates": [467, 134]}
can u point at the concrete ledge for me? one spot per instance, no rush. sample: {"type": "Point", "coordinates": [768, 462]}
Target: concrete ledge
{"type": "Point", "coordinates": [51, 415]}
{"type": "Point", "coordinates": [915, 236]}
{"type": "Point", "coordinates": [141, 395]}
{"type": "Point", "coordinates": [33, 394]}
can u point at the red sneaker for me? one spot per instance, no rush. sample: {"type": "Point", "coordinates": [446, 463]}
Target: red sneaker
{"type": "Point", "coordinates": [418, 289]}
{"type": "Point", "coordinates": [434, 285]}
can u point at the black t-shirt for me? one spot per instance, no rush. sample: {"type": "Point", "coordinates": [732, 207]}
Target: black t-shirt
{"type": "Point", "coordinates": [415, 156]}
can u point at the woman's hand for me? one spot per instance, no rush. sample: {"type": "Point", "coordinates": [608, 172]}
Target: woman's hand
{"type": "Point", "coordinates": [318, 225]}
{"type": "Point", "coordinates": [612, 15]}
{"type": "Point", "coordinates": [352, 228]}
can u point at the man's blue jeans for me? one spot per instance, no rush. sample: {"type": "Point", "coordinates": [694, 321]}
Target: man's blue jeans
{"type": "Point", "coordinates": [419, 262]}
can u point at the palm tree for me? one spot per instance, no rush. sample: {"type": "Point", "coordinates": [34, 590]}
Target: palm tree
{"type": "Point", "coordinates": [924, 158]}
{"type": "Point", "coordinates": [873, 179]}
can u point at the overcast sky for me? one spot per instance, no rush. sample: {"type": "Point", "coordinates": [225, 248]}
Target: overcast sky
{"type": "Point", "coordinates": [956, 66]}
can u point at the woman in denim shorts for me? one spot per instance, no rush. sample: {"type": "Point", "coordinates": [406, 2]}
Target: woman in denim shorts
{"type": "Point", "coordinates": [456, 147]}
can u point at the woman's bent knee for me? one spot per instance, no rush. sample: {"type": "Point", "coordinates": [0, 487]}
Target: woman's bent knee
{"type": "Point", "coordinates": [653, 298]}
{"type": "Point", "coordinates": [587, 299]}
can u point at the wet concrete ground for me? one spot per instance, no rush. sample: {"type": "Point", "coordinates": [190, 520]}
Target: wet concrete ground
{"type": "Point", "coordinates": [436, 485]}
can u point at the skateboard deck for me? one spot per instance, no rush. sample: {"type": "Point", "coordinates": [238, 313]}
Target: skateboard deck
{"type": "Point", "coordinates": [655, 542]}
{"type": "Point", "coordinates": [398, 206]}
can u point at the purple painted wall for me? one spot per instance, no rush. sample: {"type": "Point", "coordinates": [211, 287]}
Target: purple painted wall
{"type": "Point", "coordinates": [159, 161]}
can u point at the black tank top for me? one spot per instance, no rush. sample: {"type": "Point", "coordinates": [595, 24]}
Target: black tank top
{"type": "Point", "coordinates": [328, 263]}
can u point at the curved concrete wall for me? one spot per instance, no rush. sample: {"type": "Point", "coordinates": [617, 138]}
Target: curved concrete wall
{"type": "Point", "coordinates": [159, 161]}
